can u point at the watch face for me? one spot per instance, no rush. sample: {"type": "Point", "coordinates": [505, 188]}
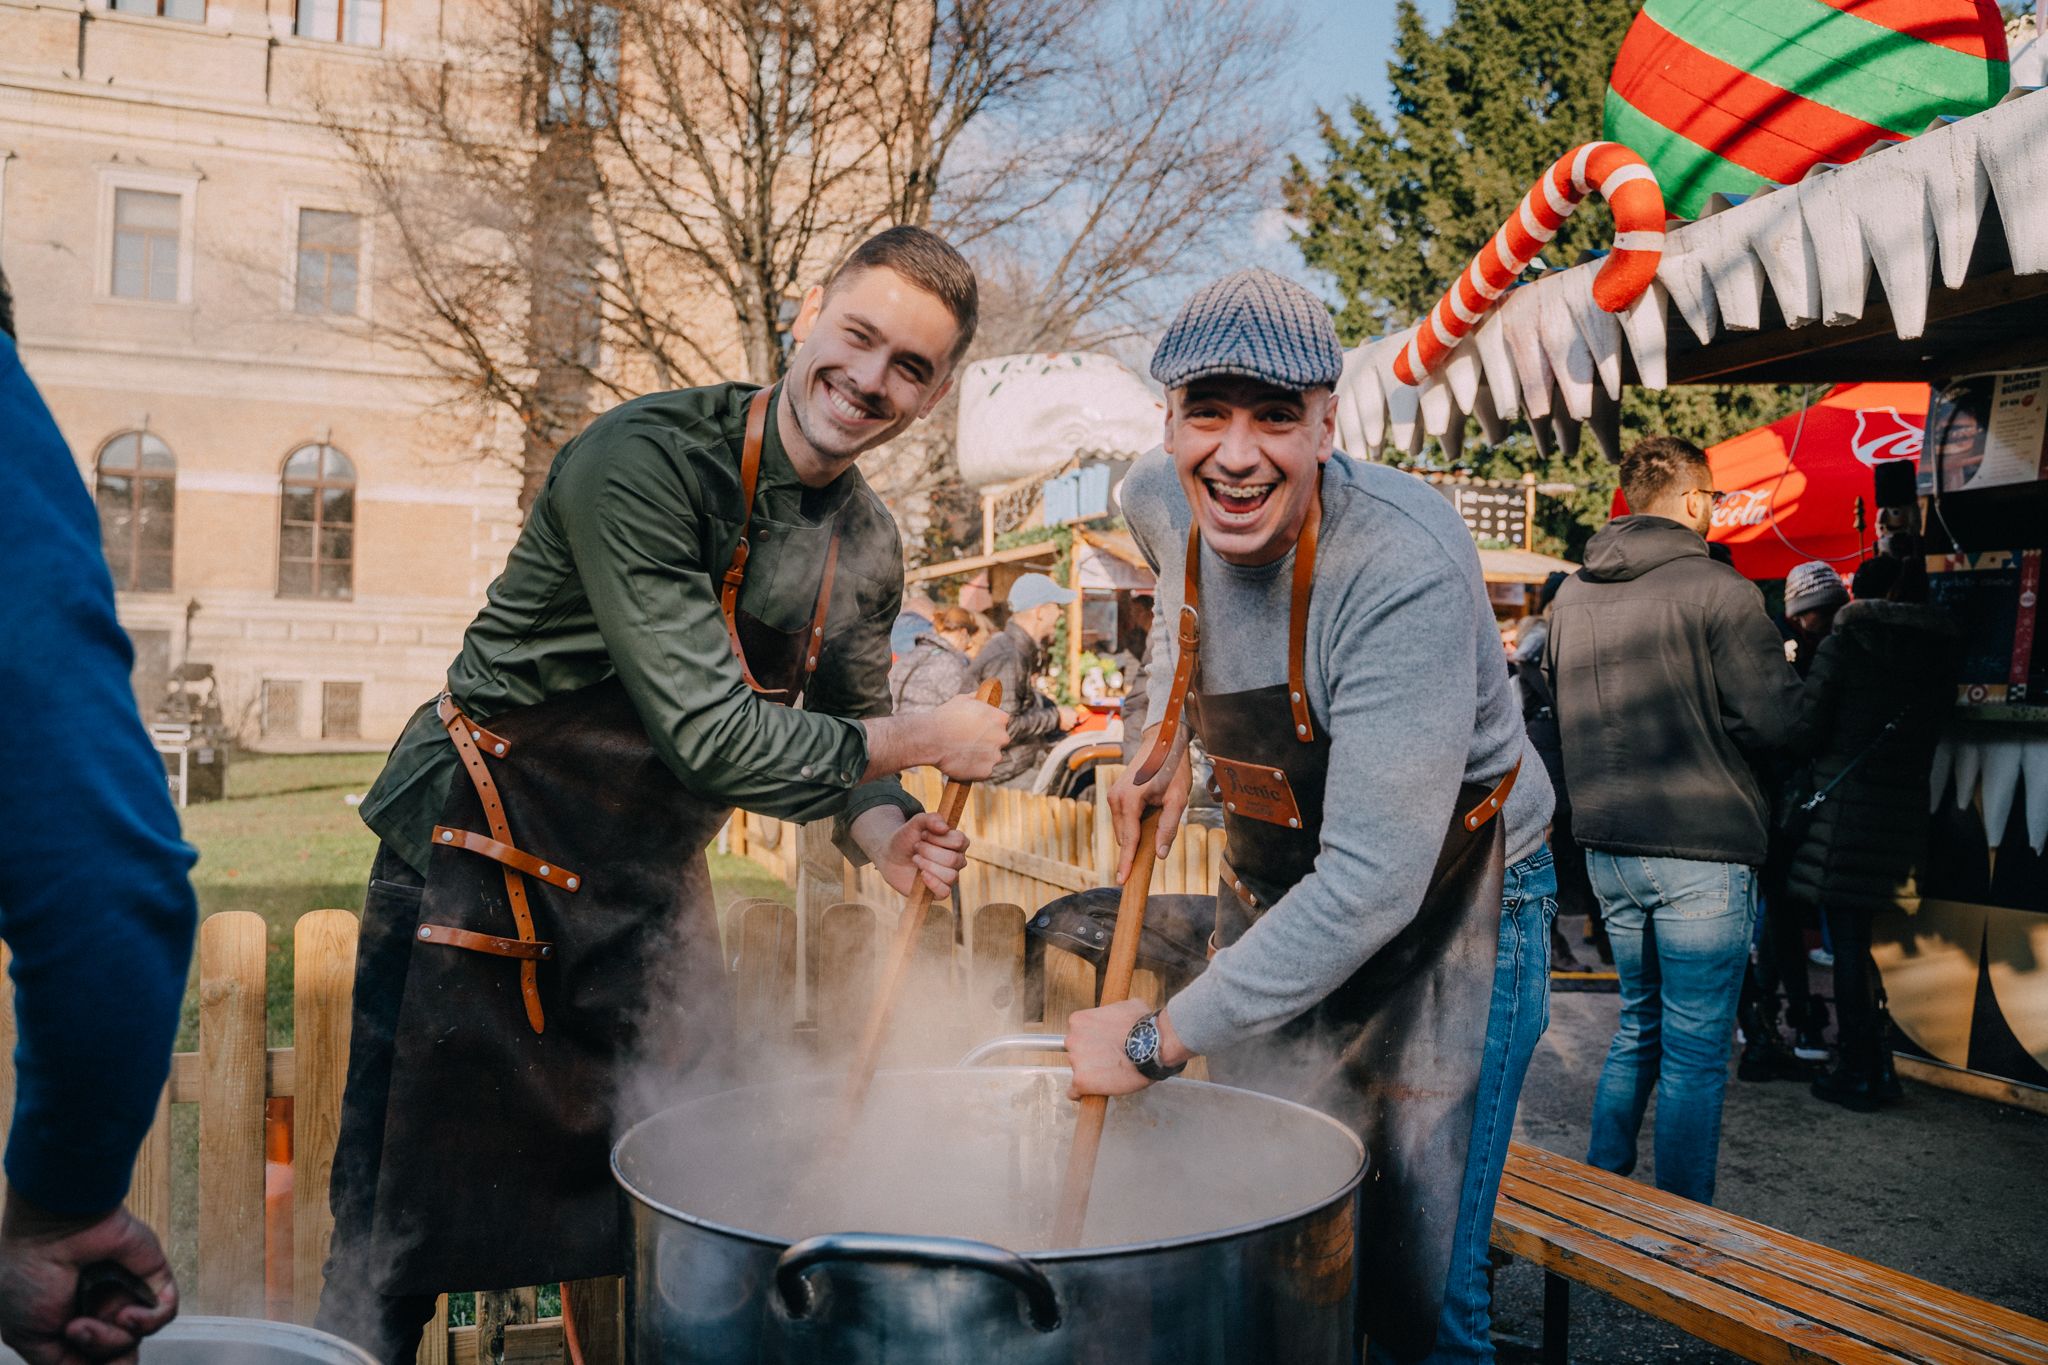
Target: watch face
{"type": "Point", "coordinates": [1143, 1043]}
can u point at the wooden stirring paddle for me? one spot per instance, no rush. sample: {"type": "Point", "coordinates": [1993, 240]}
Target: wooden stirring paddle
{"type": "Point", "coordinates": [1116, 987]}
{"type": "Point", "coordinates": [952, 804]}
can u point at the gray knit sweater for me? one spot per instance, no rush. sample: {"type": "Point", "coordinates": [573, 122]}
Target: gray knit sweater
{"type": "Point", "coordinates": [1407, 677]}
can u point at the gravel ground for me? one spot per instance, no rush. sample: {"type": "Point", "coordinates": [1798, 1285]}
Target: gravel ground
{"type": "Point", "coordinates": [1943, 1186]}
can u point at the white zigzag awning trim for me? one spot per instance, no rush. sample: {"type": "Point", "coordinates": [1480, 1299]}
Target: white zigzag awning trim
{"type": "Point", "coordinates": [1908, 212]}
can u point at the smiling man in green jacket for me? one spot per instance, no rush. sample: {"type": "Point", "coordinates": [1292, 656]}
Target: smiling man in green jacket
{"type": "Point", "coordinates": [539, 916]}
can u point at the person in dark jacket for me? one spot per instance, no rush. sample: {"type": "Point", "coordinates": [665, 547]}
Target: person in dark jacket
{"type": "Point", "coordinates": [1671, 683]}
{"type": "Point", "coordinates": [95, 903]}
{"type": "Point", "coordinates": [1871, 715]}
{"type": "Point", "coordinates": [1012, 656]}
{"type": "Point", "coordinates": [929, 675]}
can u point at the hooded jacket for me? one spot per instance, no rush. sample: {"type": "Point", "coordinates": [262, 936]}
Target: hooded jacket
{"type": "Point", "coordinates": [1671, 685]}
{"type": "Point", "coordinates": [1863, 846]}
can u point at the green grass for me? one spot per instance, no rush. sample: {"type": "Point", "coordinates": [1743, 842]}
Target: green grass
{"type": "Point", "coordinates": [282, 842]}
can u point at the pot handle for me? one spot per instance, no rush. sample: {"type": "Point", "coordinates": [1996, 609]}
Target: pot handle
{"type": "Point", "coordinates": [927, 1253]}
{"type": "Point", "coordinates": [1014, 1042]}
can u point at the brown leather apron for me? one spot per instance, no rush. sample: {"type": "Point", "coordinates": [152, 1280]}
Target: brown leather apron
{"type": "Point", "coordinates": [1395, 1051]}
{"type": "Point", "coordinates": [566, 974]}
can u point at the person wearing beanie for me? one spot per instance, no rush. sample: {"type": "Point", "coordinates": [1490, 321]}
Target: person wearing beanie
{"type": "Point", "coordinates": [1382, 924]}
{"type": "Point", "coordinates": [1814, 592]}
{"type": "Point", "coordinates": [1870, 718]}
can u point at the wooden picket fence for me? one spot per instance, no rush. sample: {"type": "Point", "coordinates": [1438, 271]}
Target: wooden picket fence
{"type": "Point", "coordinates": [806, 971]}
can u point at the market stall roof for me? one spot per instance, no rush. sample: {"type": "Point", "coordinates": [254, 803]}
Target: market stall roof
{"type": "Point", "coordinates": [953, 568]}
{"type": "Point", "coordinates": [1792, 486]}
{"type": "Point", "coordinates": [1520, 566]}
{"type": "Point", "coordinates": [1921, 258]}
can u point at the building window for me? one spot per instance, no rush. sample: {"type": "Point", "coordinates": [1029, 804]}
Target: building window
{"type": "Point", "coordinates": [341, 21]}
{"type": "Point", "coordinates": [280, 719]}
{"type": "Point", "coordinates": [146, 230]}
{"type": "Point", "coordinates": [192, 11]}
{"type": "Point", "coordinates": [329, 252]}
{"type": "Point", "coordinates": [341, 710]}
{"type": "Point", "coordinates": [135, 484]}
{"type": "Point", "coordinates": [316, 539]}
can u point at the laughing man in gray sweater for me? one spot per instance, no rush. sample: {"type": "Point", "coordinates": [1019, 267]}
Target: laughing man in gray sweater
{"type": "Point", "coordinates": [1404, 676]}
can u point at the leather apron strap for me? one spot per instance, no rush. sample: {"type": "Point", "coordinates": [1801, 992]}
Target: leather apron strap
{"type": "Point", "coordinates": [515, 863]}
{"type": "Point", "coordinates": [758, 409]}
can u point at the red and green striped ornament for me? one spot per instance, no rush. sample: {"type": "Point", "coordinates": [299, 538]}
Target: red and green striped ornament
{"type": "Point", "coordinates": [1729, 95]}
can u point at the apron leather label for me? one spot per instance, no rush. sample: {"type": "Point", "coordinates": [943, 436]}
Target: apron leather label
{"type": "Point", "coordinates": [1253, 790]}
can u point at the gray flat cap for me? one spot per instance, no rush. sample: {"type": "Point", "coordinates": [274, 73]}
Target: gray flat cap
{"type": "Point", "coordinates": [1252, 323]}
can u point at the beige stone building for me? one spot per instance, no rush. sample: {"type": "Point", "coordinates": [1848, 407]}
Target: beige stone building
{"type": "Point", "coordinates": [195, 287]}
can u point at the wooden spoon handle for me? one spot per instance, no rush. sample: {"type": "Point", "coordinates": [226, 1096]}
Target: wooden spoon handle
{"type": "Point", "coordinates": [1116, 987]}
{"type": "Point", "coordinates": [952, 805]}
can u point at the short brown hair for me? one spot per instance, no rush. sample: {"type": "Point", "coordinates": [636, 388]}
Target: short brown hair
{"type": "Point", "coordinates": [928, 261]}
{"type": "Point", "coordinates": [1654, 466]}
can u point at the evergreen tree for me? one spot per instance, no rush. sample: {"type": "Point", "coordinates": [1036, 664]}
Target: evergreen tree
{"type": "Point", "coordinates": [1392, 211]}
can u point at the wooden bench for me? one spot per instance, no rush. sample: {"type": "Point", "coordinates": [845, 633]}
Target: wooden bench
{"type": "Point", "coordinates": [1763, 1294]}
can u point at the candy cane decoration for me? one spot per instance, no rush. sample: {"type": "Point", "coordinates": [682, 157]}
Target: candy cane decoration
{"type": "Point", "coordinates": [1631, 191]}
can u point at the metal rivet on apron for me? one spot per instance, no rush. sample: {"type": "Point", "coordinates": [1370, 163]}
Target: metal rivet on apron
{"type": "Point", "coordinates": [1230, 805]}
{"type": "Point", "coordinates": [1294, 696]}
{"type": "Point", "coordinates": [500, 749]}
{"type": "Point", "coordinates": [1042, 921]}
{"type": "Point", "coordinates": [447, 836]}
{"type": "Point", "coordinates": [1279, 776]}
{"type": "Point", "coordinates": [1098, 936]}
{"type": "Point", "coordinates": [572, 883]}
{"type": "Point", "coordinates": [1493, 801]}
{"type": "Point", "coordinates": [804, 771]}
{"type": "Point", "coordinates": [547, 951]}
{"type": "Point", "coordinates": [426, 932]}
{"type": "Point", "coordinates": [811, 662]}
{"type": "Point", "coordinates": [476, 734]}
{"type": "Point", "coordinates": [817, 630]}
{"type": "Point", "coordinates": [1301, 729]}
{"type": "Point", "coordinates": [1293, 823]}
{"type": "Point", "coordinates": [545, 869]}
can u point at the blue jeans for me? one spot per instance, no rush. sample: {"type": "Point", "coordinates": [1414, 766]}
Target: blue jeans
{"type": "Point", "coordinates": [1515, 1018]}
{"type": "Point", "coordinates": [1681, 931]}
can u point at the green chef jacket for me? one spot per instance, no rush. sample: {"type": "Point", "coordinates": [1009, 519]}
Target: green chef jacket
{"type": "Point", "coordinates": [615, 572]}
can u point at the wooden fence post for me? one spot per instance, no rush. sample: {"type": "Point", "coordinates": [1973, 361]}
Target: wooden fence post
{"type": "Point", "coordinates": [434, 1342]}
{"type": "Point", "coordinates": [323, 979]}
{"type": "Point", "coordinates": [232, 946]}
{"type": "Point", "coordinates": [149, 1191]}
{"type": "Point", "coordinates": [599, 1308]}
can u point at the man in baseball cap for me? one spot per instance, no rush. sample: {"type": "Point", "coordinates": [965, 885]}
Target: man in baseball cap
{"type": "Point", "coordinates": [1014, 656]}
{"type": "Point", "coordinates": [1367, 750]}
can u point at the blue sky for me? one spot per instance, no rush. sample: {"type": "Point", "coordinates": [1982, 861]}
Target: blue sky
{"type": "Point", "coordinates": [1346, 46]}
{"type": "Point", "coordinates": [1343, 47]}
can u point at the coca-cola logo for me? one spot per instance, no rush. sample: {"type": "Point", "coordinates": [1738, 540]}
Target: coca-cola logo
{"type": "Point", "coordinates": [1744, 507]}
{"type": "Point", "coordinates": [1881, 434]}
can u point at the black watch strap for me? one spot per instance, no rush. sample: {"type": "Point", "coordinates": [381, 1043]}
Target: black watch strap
{"type": "Point", "coordinates": [1146, 1059]}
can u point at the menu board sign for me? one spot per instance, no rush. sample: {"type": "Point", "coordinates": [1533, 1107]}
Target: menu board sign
{"type": "Point", "coordinates": [1494, 510]}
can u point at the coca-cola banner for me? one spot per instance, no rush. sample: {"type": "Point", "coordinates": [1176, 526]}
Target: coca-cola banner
{"type": "Point", "coordinates": [1792, 486]}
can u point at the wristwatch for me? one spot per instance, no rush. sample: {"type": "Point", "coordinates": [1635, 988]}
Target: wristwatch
{"type": "Point", "coordinates": [1141, 1045]}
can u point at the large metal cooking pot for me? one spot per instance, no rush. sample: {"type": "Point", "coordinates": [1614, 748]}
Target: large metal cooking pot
{"type": "Point", "coordinates": [238, 1341]}
{"type": "Point", "coordinates": [1220, 1230]}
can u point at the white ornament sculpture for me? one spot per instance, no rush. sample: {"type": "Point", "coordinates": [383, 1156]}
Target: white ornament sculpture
{"type": "Point", "coordinates": [1022, 415]}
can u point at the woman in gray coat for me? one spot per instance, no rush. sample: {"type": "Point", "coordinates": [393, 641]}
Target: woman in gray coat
{"type": "Point", "coordinates": [935, 669]}
{"type": "Point", "coordinates": [1871, 715]}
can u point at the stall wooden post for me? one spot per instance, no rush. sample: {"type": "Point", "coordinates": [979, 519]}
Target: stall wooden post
{"type": "Point", "coordinates": [1074, 552]}
{"type": "Point", "coordinates": [323, 977]}
{"type": "Point", "coordinates": [232, 947]}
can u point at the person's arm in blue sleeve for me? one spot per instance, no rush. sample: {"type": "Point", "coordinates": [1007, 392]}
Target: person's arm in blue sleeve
{"type": "Point", "coordinates": [95, 899]}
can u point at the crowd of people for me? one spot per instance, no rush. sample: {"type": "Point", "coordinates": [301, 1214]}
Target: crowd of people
{"type": "Point", "coordinates": [1726, 783]}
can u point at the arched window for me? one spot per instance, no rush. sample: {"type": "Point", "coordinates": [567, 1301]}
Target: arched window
{"type": "Point", "coordinates": [316, 543]}
{"type": "Point", "coordinates": [134, 484]}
